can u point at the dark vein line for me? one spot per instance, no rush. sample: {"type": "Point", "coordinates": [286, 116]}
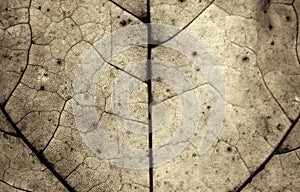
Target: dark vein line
{"type": "Point", "coordinates": [212, 2]}
{"type": "Point", "coordinates": [71, 172]}
{"type": "Point", "coordinates": [150, 97]}
{"type": "Point", "coordinates": [284, 151]}
{"type": "Point", "coordinates": [56, 128]}
{"type": "Point", "coordinates": [111, 64]}
{"type": "Point", "coordinates": [181, 93]}
{"type": "Point", "coordinates": [42, 159]}
{"type": "Point", "coordinates": [124, 118]}
{"type": "Point", "coordinates": [15, 186]}
{"type": "Point", "coordinates": [126, 10]}
{"type": "Point", "coordinates": [271, 93]}
{"type": "Point", "coordinates": [274, 152]}
{"type": "Point", "coordinates": [9, 133]}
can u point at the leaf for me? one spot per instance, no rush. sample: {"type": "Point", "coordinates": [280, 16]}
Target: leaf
{"type": "Point", "coordinates": [205, 138]}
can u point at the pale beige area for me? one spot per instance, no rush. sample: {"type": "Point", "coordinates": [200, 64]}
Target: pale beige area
{"type": "Point", "coordinates": [262, 86]}
{"type": "Point", "coordinates": [254, 43]}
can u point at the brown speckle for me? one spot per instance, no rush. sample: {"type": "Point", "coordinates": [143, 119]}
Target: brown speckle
{"type": "Point", "coordinates": [270, 26]}
{"type": "Point", "coordinates": [123, 23]}
{"type": "Point", "coordinates": [229, 149]}
{"type": "Point", "coordinates": [245, 59]}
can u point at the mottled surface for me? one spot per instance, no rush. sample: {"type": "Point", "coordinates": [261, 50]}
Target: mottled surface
{"type": "Point", "coordinates": [255, 44]}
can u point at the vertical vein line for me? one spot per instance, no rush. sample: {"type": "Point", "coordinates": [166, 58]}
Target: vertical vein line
{"type": "Point", "coordinates": [150, 98]}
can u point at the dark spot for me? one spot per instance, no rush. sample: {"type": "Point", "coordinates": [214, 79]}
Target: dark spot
{"type": "Point", "coordinates": [197, 69]}
{"type": "Point", "coordinates": [272, 43]}
{"type": "Point", "coordinates": [48, 9]}
{"type": "Point", "coordinates": [46, 74]}
{"type": "Point", "coordinates": [6, 9]}
{"type": "Point", "coordinates": [268, 117]}
{"type": "Point", "coordinates": [58, 61]}
{"type": "Point", "coordinates": [32, 41]}
{"type": "Point", "coordinates": [158, 79]}
{"type": "Point", "coordinates": [42, 87]}
{"type": "Point", "coordinates": [168, 90]}
{"type": "Point", "coordinates": [98, 150]}
{"type": "Point", "coordinates": [129, 20]}
{"type": "Point", "coordinates": [287, 18]}
{"type": "Point", "coordinates": [39, 7]}
{"type": "Point", "coordinates": [245, 59]}
{"type": "Point", "coordinates": [194, 155]}
{"type": "Point", "coordinates": [16, 18]}
{"type": "Point", "coordinates": [270, 26]}
{"type": "Point", "coordinates": [123, 23]}
{"type": "Point", "coordinates": [181, 1]}
{"type": "Point", "coordinates": [229, 149]}
{"type": "Point", "coordinates": [243, 133]}
{"type": "Point", "coordinates": [279, 126]}
{"type": "Point", "coordinates": [208, 107]}
{"type": "Point", "coordinates": [194, 53]}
